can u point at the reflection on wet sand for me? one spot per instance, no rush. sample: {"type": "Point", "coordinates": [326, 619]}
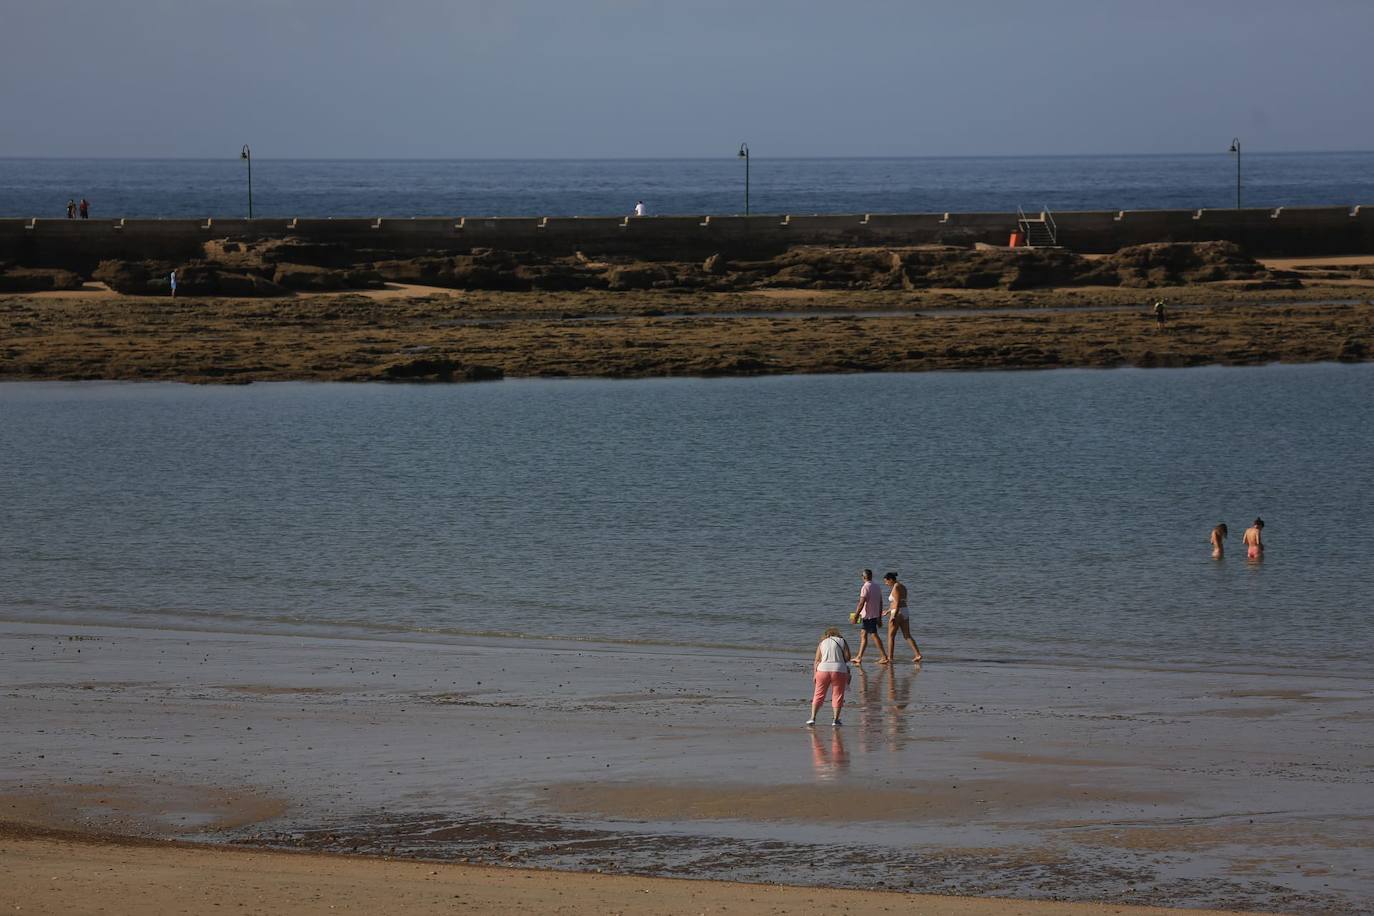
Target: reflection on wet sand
{"type": "Point", "coordinates": [829, 756]}
{"type": "Point", "coordinates": [883, 699]}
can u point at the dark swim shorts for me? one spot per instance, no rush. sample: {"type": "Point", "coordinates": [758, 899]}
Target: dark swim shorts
{"type": "Point", "coordinates": [871, 624]}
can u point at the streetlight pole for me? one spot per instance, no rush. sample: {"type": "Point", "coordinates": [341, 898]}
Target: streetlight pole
{"type": "Point", "coordinates": [247, 155]}
{"type": "Point", "coordinates": [744, 154]}
{"type": "Point", "coordinates": [1235, 148]}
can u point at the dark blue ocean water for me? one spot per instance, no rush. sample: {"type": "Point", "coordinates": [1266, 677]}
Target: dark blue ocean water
{"type": "Point", "coordinates": [295, 187]}
{"type": "Point", "coordinates": [1033, 514]}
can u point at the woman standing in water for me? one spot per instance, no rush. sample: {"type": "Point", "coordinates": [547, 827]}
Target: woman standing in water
{"type": "Point", "coordinates": [1254, 544]}
{"type": "Point", "coordinates": [1218, 535]}
{"type": "Point", "coordinates": [831, 673]}
{"type": "Point", "coordinates": [900, 621]}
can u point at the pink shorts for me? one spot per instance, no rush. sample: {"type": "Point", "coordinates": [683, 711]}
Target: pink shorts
{"type": "Point", "coordinates": [835, 682]}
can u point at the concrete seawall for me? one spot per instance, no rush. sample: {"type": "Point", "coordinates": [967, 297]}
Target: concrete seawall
{"type": "Point", "coordinates": [1276, 232]}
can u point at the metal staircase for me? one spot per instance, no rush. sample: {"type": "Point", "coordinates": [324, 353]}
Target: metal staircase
{"type": "Point", "coordinates": [1038, 231]}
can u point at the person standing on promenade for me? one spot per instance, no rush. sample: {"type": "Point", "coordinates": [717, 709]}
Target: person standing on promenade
{"type": "Point", "coordinates": [71, 209]}
{"type": "Point", "coordinates": [85, 208]}
{"type": "Point", "coordinates": [639, 208]}
{"type": "Point", "coordinates": [870, 614]}
{"type": "Point", "coordinates": [830, 672]}
{"type": "Point", "coordinates": [1218, 535]}
{"type": "Point", "coordinates": [1254, 543]}
{"type": "Point", "coordinates": [900, 621]}
{"type": "Point", "coordinates": [172, 279]}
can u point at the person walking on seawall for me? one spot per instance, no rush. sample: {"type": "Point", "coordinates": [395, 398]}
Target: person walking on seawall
{"type": "Point", "coordinates": [172, 279]}
{"type": "Point", "coordinates": [830, 672]}
{"type": "Point", "coordinates": [1254, 543]}
{"type": "Point", "coordinates": [85, 208]}
{"type": "Point", "coordinates": [900, 621]}
{"type": "Point", "coordinates": [870, 614]}
{"type": "Point", "coordinates": [71, 209]}
{"type": "Point", "coordinates": [639, 208]}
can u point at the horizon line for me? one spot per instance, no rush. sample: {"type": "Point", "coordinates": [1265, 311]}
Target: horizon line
{"type": "Point", "coordinates": [872, 158]}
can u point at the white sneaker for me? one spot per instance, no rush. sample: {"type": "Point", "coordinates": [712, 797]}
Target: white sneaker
{"type": "Point", "coordinates": [837, 722]}
{"type": "Point", "coordinates": [810, 721]}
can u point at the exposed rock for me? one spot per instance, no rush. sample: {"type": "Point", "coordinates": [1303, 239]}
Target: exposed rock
{"type": "Point", "coordinates": [309, 277]}
{"type": "Point", "coordinates": [442, 370]}
{"type": "Point", "coordinates": [716, 265]}
{"type": "Point", "coordinates": [151, 278]}
{"type": "Point", "coordinates": [262, 255]}
{"type": "Point", "coordinates": [135, 278]}
{"type": "Point", "coordinates": [36, 279]}
{"type": "Point", "coordinates": [210, 280]}
{"type": "Point", "coordinates": [1177, 263]}
{"type": "Point", "coordinates": [639, 276]}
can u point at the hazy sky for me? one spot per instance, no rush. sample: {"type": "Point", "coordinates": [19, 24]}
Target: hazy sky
{"type": "Point", "coordinates": [602, 78]}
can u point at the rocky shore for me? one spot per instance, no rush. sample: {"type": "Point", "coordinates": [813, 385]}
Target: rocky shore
{"type": "Point", "coordinates": [289, 310]}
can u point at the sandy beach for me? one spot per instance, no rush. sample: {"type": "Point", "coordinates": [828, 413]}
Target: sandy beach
{"type": "Point", "coordinates": [1148, 785]}
{"type": "Point", "coordinates": [73, 874]}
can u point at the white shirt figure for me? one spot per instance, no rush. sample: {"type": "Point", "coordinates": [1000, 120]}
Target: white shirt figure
{"type": "Point", "coordinates": [639, 209]}
{"type": "Point", "coordinates": [173, 280]}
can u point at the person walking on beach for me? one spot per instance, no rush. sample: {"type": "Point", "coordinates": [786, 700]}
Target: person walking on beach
{"type": "Point", "coordinates": [1254, 543]}
{"type": "Point", "coordinates": [172, 279]}
{"type": "Point", "coordinates": [1160, 316]}
{"type": "Point", "coordinates": [870, 614]}
{"type": "Point", "coordinates": [639, 209]}
{"type": "Point", "coordinates": [71, 209]}
{"type": "Point", "coordinates": [85, 208]}
{"type": "Point", "coordinates": [900, 621]}
{"type": "Point", "coordinates": [1218, 535]}
{"type": "Point", "coordinates": [830, 672]}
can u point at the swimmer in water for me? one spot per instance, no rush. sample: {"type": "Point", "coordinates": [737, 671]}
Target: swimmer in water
{"type": "Point", "coordinates": [1218, 536]}
{"type": "Point", "coordinates": [1254, 543]}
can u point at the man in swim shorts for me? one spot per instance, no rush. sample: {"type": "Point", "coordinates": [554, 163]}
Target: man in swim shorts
{"type": "Point", "coordinates": [870, 611]}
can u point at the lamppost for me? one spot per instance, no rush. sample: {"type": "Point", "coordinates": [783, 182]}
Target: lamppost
{"type": "Point", "coordinates": [1235, 148]}
{"type": "Point", "coordinates": [744, 154]}
{"type": "Point", "coordinates": [247, 155]}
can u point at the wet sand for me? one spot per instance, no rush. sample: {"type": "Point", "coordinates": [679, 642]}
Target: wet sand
{"type": "Point", "coordinates": [1141, 784]}
{"type": "Point", "coordinates": [356, 337]}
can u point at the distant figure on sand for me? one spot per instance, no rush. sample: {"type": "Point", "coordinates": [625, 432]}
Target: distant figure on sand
{"type": "Point", "coordinates": [172, 279]}
{"type": "Point", "coordinates": [639, 209]}
{"type": "Point", "coordinates": [1160, 317]}
{"type": "Point", "coordinates": [900, 621]}
{"type": "Point", "coordinates": [1218, 535]}
{"type": "Point", "coordinates": [1254, 544]}
{"type": "Point", "coordinates": [85, 208]}
{"type": "Point", "coordinates": [71, 209]}
{"type": "Point", "coordinates": [831, 672]}
{"type": "Point", "coordinates": [870, 613]}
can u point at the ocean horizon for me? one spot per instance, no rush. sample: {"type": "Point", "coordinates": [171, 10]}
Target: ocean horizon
{"type": "Point", "coordinates": [322, 187]}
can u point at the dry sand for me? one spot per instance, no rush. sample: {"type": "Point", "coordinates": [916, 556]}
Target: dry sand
{"type": "Point", "coordinates": [68, 876]}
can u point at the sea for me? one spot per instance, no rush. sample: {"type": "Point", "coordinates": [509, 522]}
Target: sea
{"type": "Point", "coordinates": [547, 187]}
{"type": "Point", "coordinates": [1053, 516]}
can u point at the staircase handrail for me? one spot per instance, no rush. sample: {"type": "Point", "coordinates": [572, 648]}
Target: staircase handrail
{"type": "Point", "coordinates": [1048, 217]}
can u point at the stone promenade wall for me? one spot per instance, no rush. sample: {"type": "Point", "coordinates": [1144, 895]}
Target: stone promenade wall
{"type": "Point", "coordinates": [1282, 231]}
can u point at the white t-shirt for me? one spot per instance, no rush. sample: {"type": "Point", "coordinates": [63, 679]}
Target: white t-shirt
{"type": "Point", "coordinates": [832, 655]}
{"type": "Point", "coordinates": [639, 208]}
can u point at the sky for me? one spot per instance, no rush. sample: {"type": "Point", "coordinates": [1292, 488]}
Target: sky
{"type": "Point", "coordinates": [690, 78]}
